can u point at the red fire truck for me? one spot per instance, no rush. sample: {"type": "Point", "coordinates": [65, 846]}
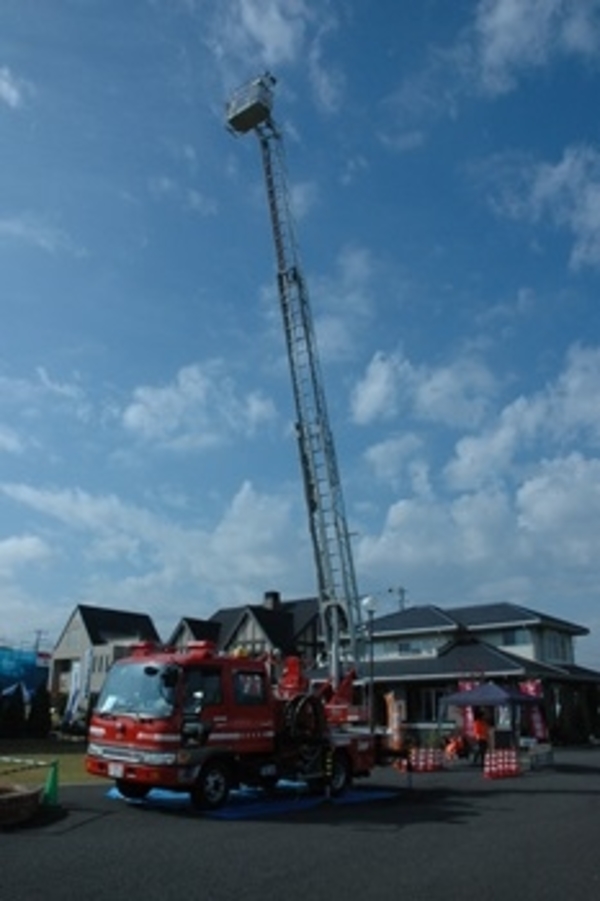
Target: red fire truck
{"type": "Point", "coordinates": [201, 722]}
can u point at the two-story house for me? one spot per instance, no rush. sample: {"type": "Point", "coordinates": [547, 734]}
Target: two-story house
{"type": "Point", "coordinates": [92, 639]}
{"type": "Point", "coordinates": [422, 653]}
{"type": "Point", "coordinates": [273, 627]}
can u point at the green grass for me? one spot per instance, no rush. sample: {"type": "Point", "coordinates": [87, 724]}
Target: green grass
{"type": "Point", "coordinates": [68, 752]}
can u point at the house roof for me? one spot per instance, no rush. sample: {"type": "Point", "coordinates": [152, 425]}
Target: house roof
{"type": "Point", "coordinates": [505, 615]}
{"type": "Point", "coordinates": [427, 618]}
{"type": "Point", "coordinates": [281, 625]}
{"type": "Point", "coordinates": [462, 659]}
{"type": "Point", "coordinates": [304, 611]}
{"type": "Point", "coordinates": [104, 625]}
{"type": "Point", "coordinates": [228, 619]}
{"type": "Point", "coordinates": [277, 625]}
{"type": "Point", "coordinates": [200, 629]}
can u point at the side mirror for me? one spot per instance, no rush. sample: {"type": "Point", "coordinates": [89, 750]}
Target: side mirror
{"type": "Point", "coordinates": [170, 676]}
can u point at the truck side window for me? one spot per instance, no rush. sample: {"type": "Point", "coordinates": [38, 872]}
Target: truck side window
{"type": "Point", "coordinates": [249, 688]}
{"type": "Point", "coordinates": [202, 687]}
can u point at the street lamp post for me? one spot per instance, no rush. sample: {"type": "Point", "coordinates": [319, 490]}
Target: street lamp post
{"type": "Point", "coordinates": [370, 606]}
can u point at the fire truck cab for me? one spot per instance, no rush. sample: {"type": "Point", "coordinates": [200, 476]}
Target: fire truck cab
{"type": "Point", "coordinates": [200, 722]}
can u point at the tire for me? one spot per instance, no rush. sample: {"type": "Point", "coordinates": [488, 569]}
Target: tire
{"type": "Point", "coordinates": [212, 787]}
{"type": "Point", "coordinates": [134, 791]}
{"type": "Point", "coordinates": [341, 774]}
{"type": "Point", "coordinates": [305, 719]}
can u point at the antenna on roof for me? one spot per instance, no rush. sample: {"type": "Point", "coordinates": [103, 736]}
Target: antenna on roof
{"type": "Point", "coordinates": [401, 594]}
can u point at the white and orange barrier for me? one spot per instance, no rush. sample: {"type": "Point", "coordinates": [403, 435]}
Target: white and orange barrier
{"type": "Point", "coordinates": [426, 760]}
{"type": "Point", "coordinates": [501, 764]}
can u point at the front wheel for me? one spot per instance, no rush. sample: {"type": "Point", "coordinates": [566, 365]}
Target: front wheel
{"type": "Point", "coordinates": [341, 774]}
{"type": "Point", "coordinates": [212, 787]}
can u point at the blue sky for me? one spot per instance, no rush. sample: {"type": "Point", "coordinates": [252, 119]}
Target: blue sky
{"type": "Point", "coordinates": [444, 167]}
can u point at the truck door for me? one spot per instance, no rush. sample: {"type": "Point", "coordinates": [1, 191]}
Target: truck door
{"type": "Point", "coordinates": [204, 697]}
{"type": "Point", "coordinates": [252, 710]}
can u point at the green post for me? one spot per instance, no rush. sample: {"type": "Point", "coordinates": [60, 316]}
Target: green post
{"type": "Point", "coordinates": [50, 795]}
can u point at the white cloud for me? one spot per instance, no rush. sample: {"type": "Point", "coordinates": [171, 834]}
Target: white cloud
{"type": "Point", "coordinates": [565, 195]}
{"type": "Point", "coordinates": [164, 188]}
{"type": "Point", "coordinates": [512, 37]}
{"type": "Point", "coordinates": [560, 506]}
{"type": "Point", "coordinates": [353, 167]}
{"type": "Point", "coordinates": [457, 394]}
{"type": "Point", "coordinates": [566, 411]}
{"type": "Point", "coordinates": [569, 192]}
{"type": "Point", "coordinates": [387, 458]}
{"type": "Point", "coordinates": [503, 41]}
{"type": "Point", "coordinates": [33, 401]}
{"type": "Point", "coordinates": [21, 551]}
{"type": "Point", "coordinates": [303, 198]}
{"type": "Point", "coordinates": [427, 531]}
{"type": "Point", "coordinates": [145, 560]}
{"type": "Point", "coordinates": [328, 82]}
{"type": "Point", "coordinates": [11, 89]}
{"type": "Point", "coordinates": [35, 231]}
{"type": "Point", "coordinates": [10, 442]}
{"type": "Point", "coordinates": [252, 35]}
{"type": "Point", "coordinates": [270, 33]}
{"type": "Point", "coordinates": [376, 395]}
{"type": "Point", "coordinates": [202, 407]}
{"type": "Point", "coordinates": [342, 304]}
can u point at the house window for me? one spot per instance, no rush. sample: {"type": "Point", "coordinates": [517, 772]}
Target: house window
{"type": "Point", "coordinates": [428, 702]}
{"type": "Point", "coordinates": [514, 637]}
{"type": "Point", "coordinates": [556, 646]}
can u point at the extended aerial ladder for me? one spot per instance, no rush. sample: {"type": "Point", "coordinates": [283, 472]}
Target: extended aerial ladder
{"type": "Point", "coordinates": [339, 604]}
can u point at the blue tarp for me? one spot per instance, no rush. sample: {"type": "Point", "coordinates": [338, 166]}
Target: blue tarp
{"type": "Point", "coordinates": [21, 666]}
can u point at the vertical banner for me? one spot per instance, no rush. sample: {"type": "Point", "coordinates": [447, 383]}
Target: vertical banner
{"type": "Point", "coordinates": [86, 677]}
{"type": "Point", "coordinates": [533, 687]}
{"type": "Point", "coordinates": [467, 712]}
{"type": "Point", "coordinates": [74, 691]}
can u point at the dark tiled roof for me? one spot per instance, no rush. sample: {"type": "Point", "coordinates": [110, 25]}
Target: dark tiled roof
{"type": "Point", "coordinates": [303, 611]}
{"type": "Point", "coordinates": [290, 618]}
{"type": "Point", "coordinates": [200, 629]}
{"type": "Point", "coordinates": [577, 673]}
{"type": "Point", "coordinates": [506, 615]}
{"type": "Point", "coordinates": [228, 618]}
{"type": "Point", "coordinates": [277, 625]}
{"type": "Point", "coordinates": [463, 659]}
{"type": "Point", "coordinates": [104, 625]}
{"type": "Point", "coordinates": [415, 619]}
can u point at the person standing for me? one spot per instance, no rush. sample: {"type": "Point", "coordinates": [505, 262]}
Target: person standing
{"type": "Point", "coordinates": [481, 731]}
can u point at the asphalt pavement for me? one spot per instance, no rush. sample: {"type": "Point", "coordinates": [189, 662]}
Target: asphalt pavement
{"type": "Point", "coordinates": [444, 835]}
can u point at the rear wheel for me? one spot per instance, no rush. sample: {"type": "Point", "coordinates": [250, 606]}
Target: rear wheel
{"type": "Point", "coordinates": [341, 774]}
{"type": "Point", "coordinates": [135, 791]}
{"type": "Point", "coordinates": [212, 787]}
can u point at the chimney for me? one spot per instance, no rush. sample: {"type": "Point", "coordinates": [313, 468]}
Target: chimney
{"type": "Point", "coordinates": [272, 600]}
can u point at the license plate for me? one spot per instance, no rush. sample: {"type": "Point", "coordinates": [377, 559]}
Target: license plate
{"type": "Point", "coordinates": [116, 770]}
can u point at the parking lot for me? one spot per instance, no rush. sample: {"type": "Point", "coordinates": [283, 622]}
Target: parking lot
{"type": "Point", "coordinates": [449, 834]}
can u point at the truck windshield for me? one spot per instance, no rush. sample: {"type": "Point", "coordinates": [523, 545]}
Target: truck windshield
{"type": "Point", "coordinates": [137, 688]}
